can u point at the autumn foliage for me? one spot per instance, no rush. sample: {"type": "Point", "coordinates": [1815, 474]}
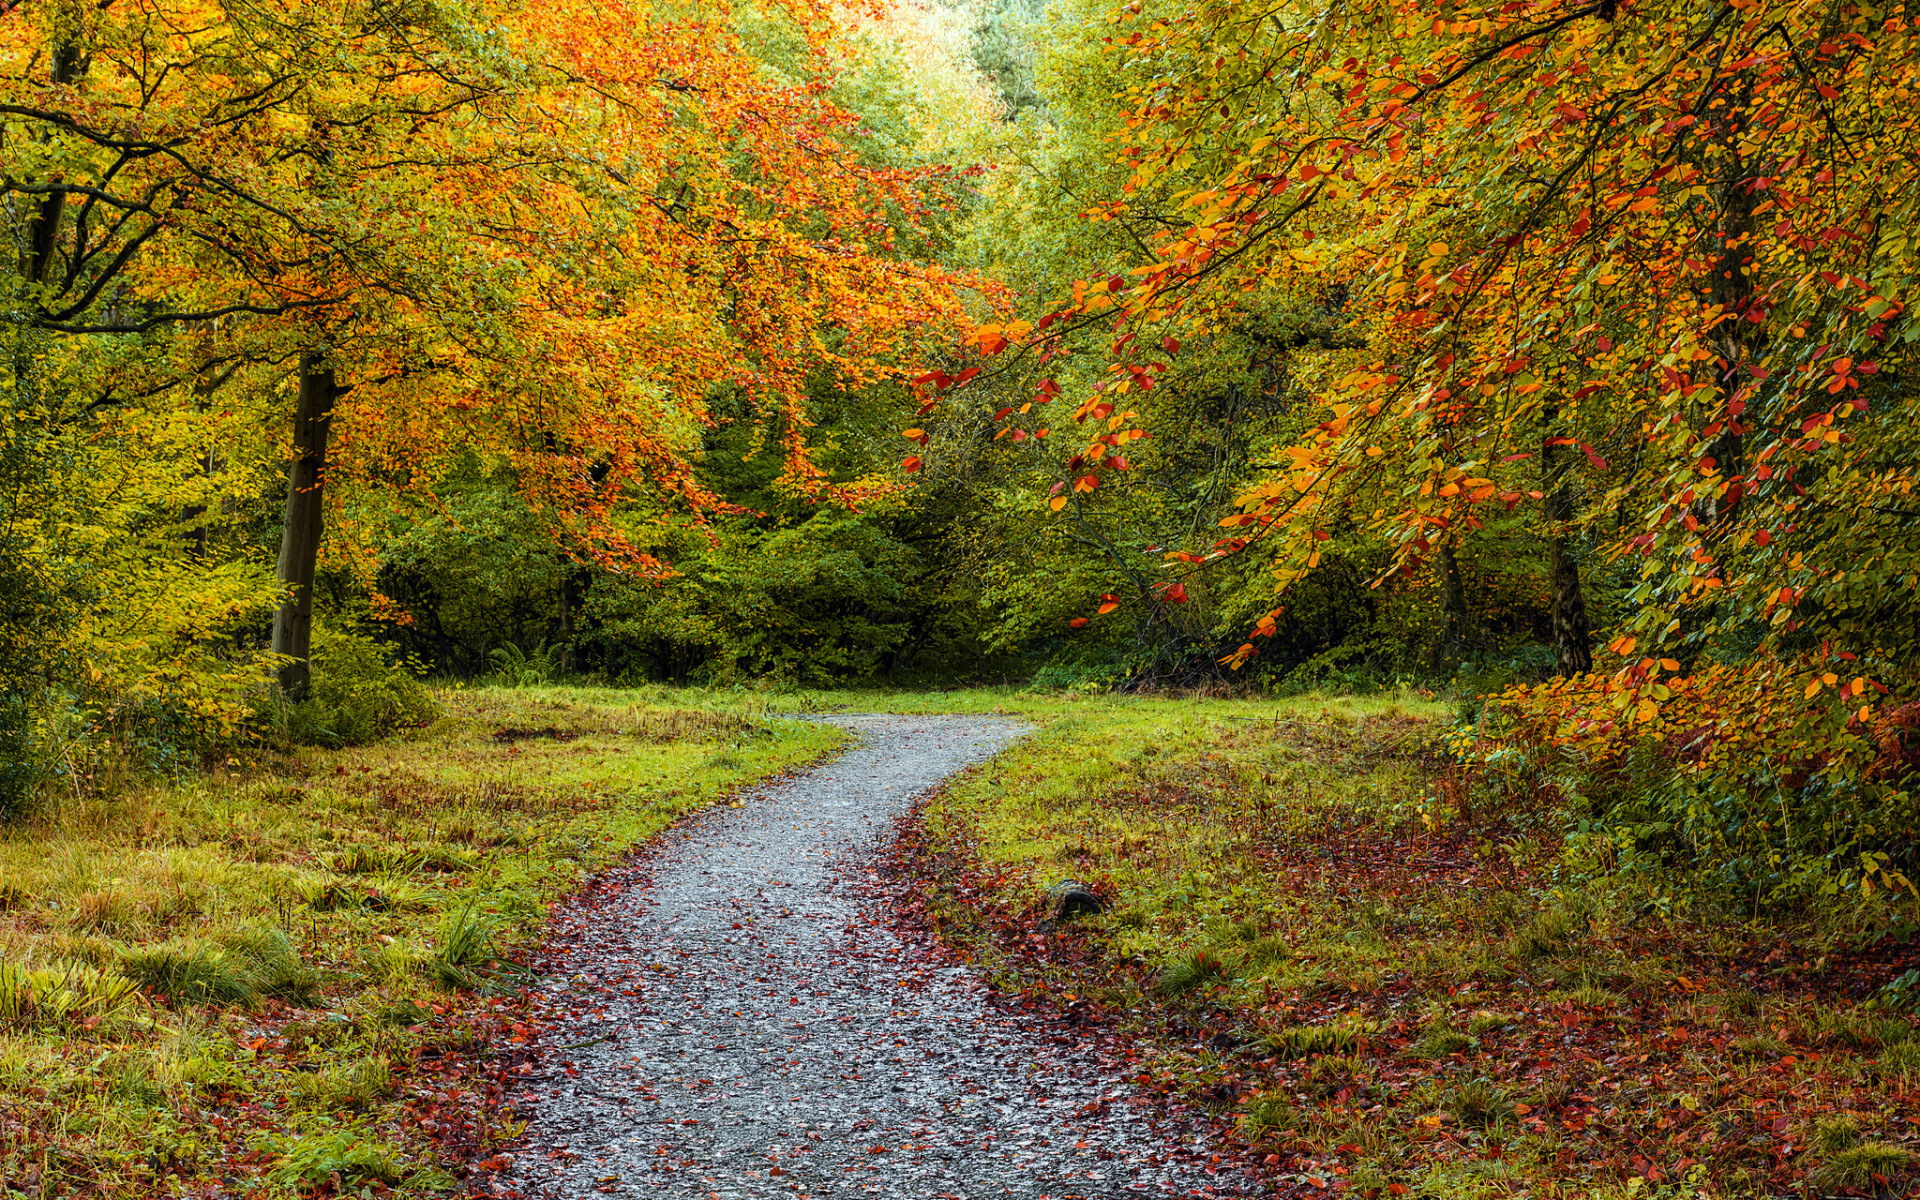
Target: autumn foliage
{"type": "Point", "coordinates": [1641, 269]}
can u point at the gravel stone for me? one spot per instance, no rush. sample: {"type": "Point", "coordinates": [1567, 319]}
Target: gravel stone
{"type": "Point", "coordinates": [767, 1033]}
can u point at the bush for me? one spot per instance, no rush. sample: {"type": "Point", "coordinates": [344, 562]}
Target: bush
{"type": "Point", "coordinates": [21, 768]}
{"type": "Point", "coordinates": [358, 696]}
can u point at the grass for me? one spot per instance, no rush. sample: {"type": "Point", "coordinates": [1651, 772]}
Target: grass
{"type": "Point", "coordinates": [246, 982]}
{"type": "Point", "coordinates": [1400, 976]}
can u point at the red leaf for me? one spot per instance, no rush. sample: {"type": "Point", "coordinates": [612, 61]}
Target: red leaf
{"type": "Point", "coordinates": [912, 464]}
{"type": "Point", "coordinates": [1076, 623]}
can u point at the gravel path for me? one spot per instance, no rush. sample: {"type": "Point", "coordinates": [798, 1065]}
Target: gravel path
{"type": "Point", "coordinates": [762, 1031]}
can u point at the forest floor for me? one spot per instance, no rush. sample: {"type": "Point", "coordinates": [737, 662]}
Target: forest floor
{"type": "Point", "coordinates": [300, 975]}
{"type": "Point", "coordinates": [1381, 981]}
{"type": "Point", "coordinates": [321, 974]}
{"type": "Point", "coordinates": [741, 1011]}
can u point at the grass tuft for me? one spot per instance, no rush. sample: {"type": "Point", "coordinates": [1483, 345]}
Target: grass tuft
{"type": "Point", "coordinates": [1835, 1134]}
{"type": "Point", "coordinates": [1478, 1104]}
{"type": "Point", "coordinates": [1270, 1112]}
{"type": "Point", "coordinates": [466, 956]}
{"type": "Point", "coordinates": [1860, 1166]}
{"type": "Point", "coordinates": [192, 971]}
{"type": "Point", "coordinates": [1190, 972]}
{"type": "Point", "coordinates": [354, 1156]}
{"type": "Point", "coordinates": [1337, 1036]}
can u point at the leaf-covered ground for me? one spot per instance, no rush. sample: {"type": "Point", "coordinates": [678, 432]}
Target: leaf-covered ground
{"type": "Point", "coordinates": [1385, 979]}
{"type": "Point", "coordinates": [301, 977]}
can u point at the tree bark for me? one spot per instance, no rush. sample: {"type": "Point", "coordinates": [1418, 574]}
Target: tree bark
{"type": "Point", "coordinates": [42, 242]}
{"type": "Point", "coordinates": [1453, 599]}
{"type": "Point", "coordinates": [304, 526]}
{"type": "Point", "coordinates": [573, 592]}
{"type": "Point", "coordinates": [1572, 640]}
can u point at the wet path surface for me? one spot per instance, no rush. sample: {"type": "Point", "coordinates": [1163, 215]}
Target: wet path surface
{"type": "Point", "coordinates": [753, 1027]}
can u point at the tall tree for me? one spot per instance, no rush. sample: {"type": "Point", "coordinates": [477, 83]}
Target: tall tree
{"type": "Point", "coordinates": [1669, 241]}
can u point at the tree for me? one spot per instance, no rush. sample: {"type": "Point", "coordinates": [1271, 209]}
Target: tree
{"type": "Point", "coordinates": [1549, 218]}
{"type": "Point", "coordinates": [382, 204]}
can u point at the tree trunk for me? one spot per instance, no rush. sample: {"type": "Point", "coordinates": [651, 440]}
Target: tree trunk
{"type": "Point", "coordinates": [1732, 290]}
{"type": "Point", "coordinates": [1572, 640]}
{"type": "Point", "coordinates": [573, 591]}
{"type": "Point", "coordinates": [193, 516]}
{"type": "Point", "coordinates": [42, 242]}
{"type": "Point", "coordinates": [305, 525]}
{"type": "Point", "coordinates": [1453, 600]}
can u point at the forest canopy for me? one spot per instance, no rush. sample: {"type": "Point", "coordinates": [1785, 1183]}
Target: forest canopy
{"type": "Point", "coordinates": [1551, 352]}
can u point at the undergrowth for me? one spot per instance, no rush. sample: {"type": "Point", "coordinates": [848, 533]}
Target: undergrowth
{"type": "Point", "coordinates": [1393, 974]}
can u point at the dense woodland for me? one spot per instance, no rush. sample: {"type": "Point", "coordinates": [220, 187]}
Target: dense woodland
{"type": "Point", "coordinates": [1551, 352]}
{"type": "Point", "coordinates": [1432, 480]}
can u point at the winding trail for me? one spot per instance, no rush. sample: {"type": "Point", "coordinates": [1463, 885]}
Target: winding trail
{"type": "Point", "coordinates": [732, 1016]}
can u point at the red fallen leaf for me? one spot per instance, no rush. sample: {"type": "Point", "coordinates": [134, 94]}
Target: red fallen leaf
{"type": "Point", "coordinates": [1076, 623]}
{"type": "Point", "coordinates": [736, 924]}
{"type": "Point", "coordinates": [776, 1171]}
{"type": "Point", "coordinates": [911, 465]}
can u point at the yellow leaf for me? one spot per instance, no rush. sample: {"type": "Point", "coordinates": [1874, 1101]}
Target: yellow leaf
{"type": "Point", "coordinates": [1057, 503]}
{"type": "Point", "coordinates": [1813, 689]}
{"type": "Point", "coordinates": [913, 433]}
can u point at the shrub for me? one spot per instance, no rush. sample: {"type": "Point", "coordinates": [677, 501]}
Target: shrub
{"type": "Point", "coordinates": [21, 768]}
{"type": "Point", "coordinates": [514, 667]}
{"type": "Point", "coordinates": [358, 696]}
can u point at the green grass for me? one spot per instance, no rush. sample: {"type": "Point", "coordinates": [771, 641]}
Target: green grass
{"type": "Point", "coordinates": [1423, 986]}
{"type": "Point", "coordinates": [279, 945]}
